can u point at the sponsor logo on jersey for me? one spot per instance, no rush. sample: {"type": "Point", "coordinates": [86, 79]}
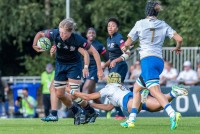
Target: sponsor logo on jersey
{"type": "Point", "coordinates": [59, 45]}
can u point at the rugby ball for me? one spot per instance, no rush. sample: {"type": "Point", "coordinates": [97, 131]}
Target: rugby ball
{"type": "Point", "coordinates": [44, 43]}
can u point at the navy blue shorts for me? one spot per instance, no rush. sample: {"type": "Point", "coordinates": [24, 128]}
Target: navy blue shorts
{"type": "Point", "coordinates": [68, 70]}
{"type": "Point", "coordinates": [92, 73]}
{"type": "Point", "coordinates": [121, 68]}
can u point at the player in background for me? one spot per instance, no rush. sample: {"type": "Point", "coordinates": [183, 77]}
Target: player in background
{"type": "Point", "coordinates": [68, 69]}
{"type": "Point", "coordinates": [122, 97]}
{"type": "Point", "coordinates": [151, 33]}
{"type": "Point", "coordinates": [117, 59]}
{"type": "Point", "coordinates": [91, 80]}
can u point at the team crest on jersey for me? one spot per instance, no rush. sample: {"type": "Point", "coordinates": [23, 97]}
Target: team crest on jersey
{"type": "Point", "coordinates": [111, 45]}
{"type": "Point", "coordinates": [72, 48]}
{"type": "Point", "coordinates": [59, 45]}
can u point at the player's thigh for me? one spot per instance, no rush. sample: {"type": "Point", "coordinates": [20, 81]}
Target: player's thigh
{"type": "Point", "coordinates": [152, 104]}
{"type": "Point", "coordinates": [75, 71]}
{"type": "Point", "coordinates": [60, 72]}
{"type": "Point", "coordinates": [89, 86]}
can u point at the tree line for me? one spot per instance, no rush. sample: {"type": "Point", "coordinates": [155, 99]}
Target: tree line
{"type": "Point", "coordinates": [22, 19]}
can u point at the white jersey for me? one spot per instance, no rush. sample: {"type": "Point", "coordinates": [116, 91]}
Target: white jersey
{"type": "Point", "coordinates": [115, 93]}
{"type": "Point", "coordinates": [151, 33]}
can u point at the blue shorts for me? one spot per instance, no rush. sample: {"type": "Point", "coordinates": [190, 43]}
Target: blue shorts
{"type": "Point", "coordinates": [126, 98]}
{"type": "Point", "coordinates": [121, 68]}
{"type": "Point", "coordinates": [68, 70]}
{"type": "Point", "coordinates": [129, 96]}
{"type": "Point", "coordinates": [151, 67]}
{"type": "Point", "coordinates": [92, 73]}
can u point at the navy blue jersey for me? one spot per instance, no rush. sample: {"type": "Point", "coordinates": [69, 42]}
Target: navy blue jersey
{"type": "Point", "coordinates": [66, 51]}
{"type": "Point", "coordinates": [100, 48]}
{"type": "Point", "coordinates": [114, 45]}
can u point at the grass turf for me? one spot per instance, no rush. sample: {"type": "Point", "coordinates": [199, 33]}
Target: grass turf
{"type": "Point", "coordinates": [101, 126]}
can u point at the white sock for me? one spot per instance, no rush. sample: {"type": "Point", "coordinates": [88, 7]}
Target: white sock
{"type": "Point", "coordinates": [132, 116]}
{"type": "Point", "coordinates": [170, 111]}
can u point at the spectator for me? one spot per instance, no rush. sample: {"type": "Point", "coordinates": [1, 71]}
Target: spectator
{"type": "Point", "coordinates": [198, 70]}
{"type": "Point", "coordinates": [188, 76]}
{"type": "Point", "coordinates": [136, 71]}
{"type": "Point", "coordinates": [27, 104]}
{"type": "Point", "coordinates": [46, 79]}
{"type": "Point", "coordinates": [169, 75]}
{"type": "Point", "coordinates": [4, 104]}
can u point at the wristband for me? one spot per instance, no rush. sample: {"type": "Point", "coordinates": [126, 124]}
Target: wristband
{"type": "Point", "coordinates": [85, 66]}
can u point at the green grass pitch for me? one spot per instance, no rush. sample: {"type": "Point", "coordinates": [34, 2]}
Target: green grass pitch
{"type": "Point", "coordinates": [187, 125]}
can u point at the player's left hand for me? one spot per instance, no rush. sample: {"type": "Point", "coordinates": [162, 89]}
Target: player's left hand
{"type": "Point", "coordinates": [124, 48]}
{"type": "Point", "coordinates": [85, 72]}
{"type": "Point", "coordinates": [177, 50]}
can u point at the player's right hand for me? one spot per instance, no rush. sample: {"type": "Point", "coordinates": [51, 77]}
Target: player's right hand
{"type": "Point", "coordinates": [37, 48]}
{"type": "Point", "coordinates": [52, 50]}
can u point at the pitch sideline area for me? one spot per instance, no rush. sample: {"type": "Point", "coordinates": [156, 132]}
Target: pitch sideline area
{"type": "Point", "coordinates": [101, 126]}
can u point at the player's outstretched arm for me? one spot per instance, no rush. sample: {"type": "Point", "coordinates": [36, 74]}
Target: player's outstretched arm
{"type": "Point", "coordinates": [84, 95]}
{"type": "Point", "coordinates": [36, 38]}
{"type": "Point", "coordinates": [106, 107]}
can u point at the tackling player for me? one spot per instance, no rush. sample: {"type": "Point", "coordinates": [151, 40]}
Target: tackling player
{"type": "Point", "coordinates": [122, 97]}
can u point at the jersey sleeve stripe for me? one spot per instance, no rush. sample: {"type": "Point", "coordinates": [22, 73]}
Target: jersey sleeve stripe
{"type": "Point", "coordinates": [103, 51]}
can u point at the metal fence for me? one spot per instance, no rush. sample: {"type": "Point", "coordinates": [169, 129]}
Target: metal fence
{"type": "Point", "coordinates": [188, 53]}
